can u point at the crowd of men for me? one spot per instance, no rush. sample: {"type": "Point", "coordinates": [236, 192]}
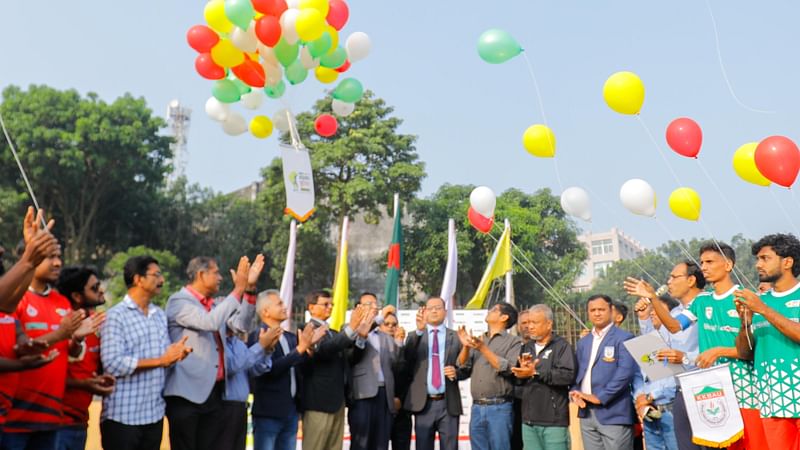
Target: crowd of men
{"type": "Point", "coordinates": [197, 361]}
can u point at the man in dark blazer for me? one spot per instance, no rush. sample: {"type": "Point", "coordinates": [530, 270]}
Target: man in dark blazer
{"type": "Point", "coordinates": [434, 396]}
{"type": "Point", "coordinates": [602, 387]}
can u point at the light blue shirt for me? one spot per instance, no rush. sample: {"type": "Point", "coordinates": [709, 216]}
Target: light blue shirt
{"type": "Point", "coordinates": [442, 336]}
{"type": "Point", "coordinates": [239, 359]}
{"type": "Point", "coordinates": [684, 340]}
{"type": "Point", "coordinates": [663, 391]}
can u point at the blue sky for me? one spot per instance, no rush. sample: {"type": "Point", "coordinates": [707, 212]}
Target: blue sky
{"type": "Point", "coordinates": [470, 115]}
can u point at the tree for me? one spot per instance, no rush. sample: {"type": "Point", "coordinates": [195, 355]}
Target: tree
{"type": "Point", "coordinates": [95, 166]}
{"type": "Point", "coordinates": [168, 263]}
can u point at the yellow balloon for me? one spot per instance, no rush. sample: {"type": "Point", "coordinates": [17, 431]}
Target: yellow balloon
{"type": "Point", "coordinates": [310, 24]}
{"type": "Point", "coordinates": [261, 127]}
{"type": "Point", "coordinates": [540, 141]}
{"type": "Point", "coordinates": [326, 75]}
{"type": "Point", "coordinates": [216, 18]}
{"type": "Point", "coordinates": [320, 5]}
{"type": "Point", "coordinates": [624, 93]}
{"type": "Point", "coordinates": [744, 164]}
{"type": "Point", "coordinates": [685, 203]}
{"type": "Point", "coordinates": [334, 38]}
{"type": "Point", "coordinates": [225, 54]}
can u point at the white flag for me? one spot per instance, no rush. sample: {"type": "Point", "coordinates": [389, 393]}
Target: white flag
{"type": "Point", "coordinates": [287, 282]}
{"type": "Point", "coordinates": [298, 181]}
{"type": "Point", "coordinates": [450, 272]}
{"type": "Point", "coordinates": [711, 406]}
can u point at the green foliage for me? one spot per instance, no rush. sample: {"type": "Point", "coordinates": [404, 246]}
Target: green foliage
{"type": "Point", "coordinates": [170, 268]}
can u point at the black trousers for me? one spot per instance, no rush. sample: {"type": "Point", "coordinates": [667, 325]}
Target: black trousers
{"type": "Point", "coordinates": [370, 423]}
{"type": "Point", "coordinates": [516, 431]}
{"type": "Point", "coordinates": [118, 436]}
{"type": "Point", "coordinates": [681, 425]}
{"type": "Point", "coordinates": [435, 418]}
{"type": "Point", "coordinates": [195, 426]}
{"type": "Point", "coordinates": [234, 435]}
{"type": "Point", "coordinates": [401, 431]}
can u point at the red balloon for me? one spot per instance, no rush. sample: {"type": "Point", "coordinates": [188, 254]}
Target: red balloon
{"type": "Point", "coordinates": [778, 159]}
{"type": "Point", "coordinates": [270, 7]}
{"type": "Point", "coordinates": [207, 68]}
{"type": "Point", "coordinates": [202, 38]}
{"type": "Point", "coordinates": [685, 137]}
{"type": "Point", "coordinates": [268, 30]}
{"type": "Point", "coordinates": [338, 13]}
{"type": "Point", "coordinates": [343, 68]}
{"type": "Point", "coordinates": [480, 222]}
{"type": "Point", "coordinates": [251, 73]}
{"type": "Point", "coordinates": [326, 125]}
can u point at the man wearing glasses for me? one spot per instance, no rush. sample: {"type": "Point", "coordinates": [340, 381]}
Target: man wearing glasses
{"type": "Point", "coordinates": [401, 424]}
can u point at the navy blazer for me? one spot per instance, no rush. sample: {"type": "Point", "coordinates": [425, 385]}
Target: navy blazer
{"type": "Point", "coordinates": [272, 394]}
{"type": "Point", "coordinates": [613, 370]}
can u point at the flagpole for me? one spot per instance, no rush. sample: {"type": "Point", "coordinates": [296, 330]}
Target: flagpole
{"type": "Point", "coordinates": [287, 282]}
{"type": "Point", "coordinates": [509, 279]}
{"type": "Point", "coordinates": [396, 209]}
{"type": "Point", "coordinates": [450, 273]}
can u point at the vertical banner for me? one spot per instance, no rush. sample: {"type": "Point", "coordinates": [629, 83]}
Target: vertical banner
{"type": "Point", "coordinates": [394, 264]}
{"type": "Point", "coordinates": [712, 407]}
{"type": "Point", "coordinates": [298, 181]}
{"type": "Point", "coordinates": [287, 282]}
{"type": "Point", "coordinates": [341, 284]}
{"type": "Point", "coordinates": [450, 273]}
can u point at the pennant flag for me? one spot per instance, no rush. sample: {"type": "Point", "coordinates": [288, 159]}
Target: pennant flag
{"type": "Point", "coordinates": [711, 406]}
{"type": "Point", "coordinates": [498, 266]}
{"type": "Point", "coordinates": [287, 282]}
{"type": "Point", "coordinates": [450, 273]}
{"type": "Point", "coordinates": [341, 284]}
{"type": "Point", "coordinates": [394, 265]}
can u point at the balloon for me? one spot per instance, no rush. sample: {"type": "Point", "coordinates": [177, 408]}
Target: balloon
{"type": "Point", "coordinates": [206, 67]}
{"type": "Point", "coordinates": [685, 203]}
{"type": "Point", "coordinates": [268, 30]}
{"type": "Point", "coordinates": [275, 91]}
{"type": "Point", "coordinates": [217, 110]}
{"type": "Point", "coordinates": [270, 7]}
{"type": "Point", "coordinates": [240, 12]}
{"type": "Point", "coordinates": [241, 86]}
{"type": "Point", "coordinates": [344, 67]}
{"type": "Point", "coordinates": [685, 137]}
{"type": "Point", "coordinates": [320, 5]}
{"type": "Point", "coordinates": [286, 53]}
{"type": "Point", "coordinates": [341, 108]}
{"type": "Point", "coordinates": [214, 14]}
{"type": "Point", "coordinates": [497, 46]}
{"type": "Point", "coordinates": [334, 38]}
{"type": "Point", "coordinates": [624, 93]}
{"type": "Point", "coordinates": [293, 4]}
{"type": "Point", "coordinates": [540, 141]}
{"type": "Point", "coordinates": [310, 24]}
{"type": "Point", "coordinates": [281, 120]}
{"type": "Point", "coordinates": [325, 75]}
{"type": "Point", "coordinates": [296, 73]}
{"type": "Point", "coordinates": [482, 200]}
{"type": "Point", "coordinates": [349, 90]}
{"type": "Point", "coordinates": [479, 222]}
{"type": "Point", "coordinates": [575, 202]}
{"type": "Point", "coordinates": [638, 197]}
{"type": "Point", "coordinates": [201, 38]}
{"type": "Point", "coordinates": [226, 54]}
{"type": "Point", "coordinates": [252, 100]}
{"type": "Point", "coordinates": [288, 29]}
{"type": "Point", "coordinates": [778, 159]}
{"type": "Point", "coordinates": [308, 61]}
{"type": "Point", "coordinates": [245, 40]}
{"type": "Point", "coordinates": [267, 54]}
{"type": "Point", "coordinates": [320, 46]}
{"type": "Point", "coordinates": [251, 73]}
{"type": "Point", "coordinates": [358, 46]}
{"type": "Point", "coordinates": [744, 164]}
{"type": "Point", "coordinates": [335, 59]}
{"type": "Point", "coordinates": [234, 125]}
{"type": "Point", "coordinates": [338, 14]}
{"type": "Point", "coordinates": [326, 125]}
{"type": "Point", "coordinates": [261, 127]}
{"type": "Point", "coordinates": [273, 72]}
{"type": "Point", "coordinates": [226, 91]}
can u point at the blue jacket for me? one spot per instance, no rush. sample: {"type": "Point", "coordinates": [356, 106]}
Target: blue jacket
{"type": "Point", "coordinates": [612, 374]}
{"type": "Point", "coordinates": [272, 395]}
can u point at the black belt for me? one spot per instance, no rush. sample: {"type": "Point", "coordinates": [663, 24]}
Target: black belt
{"type": "Point", "coordinates": [436, 397]}
{"type": "Point", "coordinates": [491, 401]}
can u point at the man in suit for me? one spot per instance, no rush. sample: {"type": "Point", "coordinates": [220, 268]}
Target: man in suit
{"type": "Point", "coordinates": [602, 387]}
{"type": "Point", "coordinates": [434, 397]}
{"type": "Point", "coordinates": [401, 424]}
{"type": "Point", "coordinates": [323, 375]}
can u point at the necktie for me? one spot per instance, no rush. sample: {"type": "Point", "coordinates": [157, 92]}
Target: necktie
{"type": "Point", "coordinates": [436, 370]}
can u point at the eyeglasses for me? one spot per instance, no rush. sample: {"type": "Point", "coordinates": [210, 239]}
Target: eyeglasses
{"type": "Point", "coordinates": [95, 287]}
{"type": "Point", "coordinates": [155, 274]}
{"type": "Point", "coordinates": [672, 277]}
{"type": "Point", "coordinates": [325, 305]}
{"type": "Point", "coordinates": [435, 308]}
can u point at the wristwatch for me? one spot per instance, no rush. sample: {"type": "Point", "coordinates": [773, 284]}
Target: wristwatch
{"type": "Point", "coordinates": [685, 359]}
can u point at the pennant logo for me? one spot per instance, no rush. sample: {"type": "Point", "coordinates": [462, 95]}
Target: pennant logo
{"type": "Point", "coordinates": [608, 353]}
{"type": "Point", "coordinates": [31, 311]}
{"type": "Point", "coordinates": [711, 405]}
{"type": "Point", "coordinates": [709, 312]}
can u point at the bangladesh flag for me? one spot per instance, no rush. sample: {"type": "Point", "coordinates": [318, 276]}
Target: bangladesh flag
{"type": "Point", "coordinates": [394, 265]}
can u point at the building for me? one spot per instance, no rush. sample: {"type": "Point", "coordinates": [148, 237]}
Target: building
{"type": "Point", "coordinates": [605, 249]}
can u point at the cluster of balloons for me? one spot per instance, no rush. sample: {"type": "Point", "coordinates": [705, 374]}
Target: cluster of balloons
{"type": "Point", "coordinates": [481, 210]}
{"type": "Point", "coordinates": [254, 48]}
{"type": "Point", "coordinates": [639, 197]}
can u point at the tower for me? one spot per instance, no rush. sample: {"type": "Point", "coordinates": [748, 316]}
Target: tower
{"type": "Point", "coordinates": [179, 119]}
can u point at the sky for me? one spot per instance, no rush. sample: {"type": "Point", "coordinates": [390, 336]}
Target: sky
{"type": "Point", "coordinates": [470, 115]}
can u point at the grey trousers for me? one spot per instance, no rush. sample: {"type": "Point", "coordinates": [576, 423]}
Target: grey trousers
{"type": "Point", "coordinates": [597, 436]}
{"type": "Point", "coordinates": [433, 418]}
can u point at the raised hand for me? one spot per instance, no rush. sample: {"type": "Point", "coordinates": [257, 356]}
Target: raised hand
{"type": "Point", "coordinates": [750, 300]}
{"type": "Point", "coordinates": [366, 322]}
{"type": "Point", "coordinates": [31, 225]}
{"type": "Point", "coordinates": [255, 272]}
{"type": "Point", "coordinates": [421, 319]}
{"type": "Point", "coordinates": [90, 325]}
{"type": "Point", "coordinates": [71, 323]}
{"type": "Point", "coordinates": [30, 347]}
{"type": "Point", "coordinates": [464, 336]}
{"type": "Point", "coordinates": [643, 308]}
{"type": "Point", "coordinates": [319, 333]}
{"type": "Point", "coordinates": [41, 246]}
{"type": "Point", "coordinates": [175, 352]}
{"type": "Point", "coordinates": [526, 369]}
{"type": "Point", "coordinates": [305, 339]}
{"type": "Point", "coordinates": [639, 288]}
{"type": "Point", "coordinates": [240, 275]}
{"type": "Point", "coordinates": [269, 338]}
{"type": "Point", "coordinates": [356, 316]}
{"type": "Point", "coordinates": [400, 334]}
{"type": "Point", "coordinates": [388, 309]}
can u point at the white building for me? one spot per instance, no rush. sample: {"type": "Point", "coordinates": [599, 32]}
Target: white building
{"type": "Point", "coordinates": [605, 249]}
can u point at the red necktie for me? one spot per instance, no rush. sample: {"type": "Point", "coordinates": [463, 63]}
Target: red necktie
{"type": "Point", "coordinates": [436, 370]}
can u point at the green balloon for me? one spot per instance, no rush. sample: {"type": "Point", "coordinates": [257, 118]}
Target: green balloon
{"type": "Point", "coordinates": [497, 46]}
{"type": "Point", "coordinates": [334, 60]}
{"type": "Point", "coordinates": [275, 91]}
{"type": "Point", "coordinates": [296, 73]}
{"type": "Point", "coordinates": [285, 53]}
{"type": "Point", "coordinates": [240, 12]}
{"type": "Point", "coordinates": [349, 90]}
{"type": "Point", "coordinates": [242, 86]}
{"type": "Point", "coordinates": [226, 91]}
{"type": "Point", "coordinates": [320, 46]}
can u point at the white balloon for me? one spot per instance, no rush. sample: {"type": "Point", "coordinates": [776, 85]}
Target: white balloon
{"type": "Point", "coordinates": [267, 54]}
{"type": "Point", "coordinates": [293, 4]}
{"type": "Point", "coordinates": [342, 109]}
{"type": "Point", "coordinates": [357, 46]}
{"type": "Point", "coordinates": [273, 72]}
{"type": "Point", "coordinates": [575, 202]}
{"type": "Point", "coordinates": [482, 200]}
{"type": "Point", "coordinates": [217, 110]}
{"type": "Point", "coordinates": [253, 99]}
{"type": "Point", "coordinates": [638, 197]}
{"type": "Point", "coordinates": [234, 125]}
{"type": "Point", "coordinates": [281, 120]}
{"type": "Point", "coordinates": [307, 60]}
{"type": "Point", "coordinates": [288, 22]}
{"type": "Point", "coordinates": [245, 41]}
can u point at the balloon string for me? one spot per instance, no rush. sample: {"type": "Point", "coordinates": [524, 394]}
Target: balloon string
{"type": "Point", "coordinates": [722, 66]}
{"type": "Point", "coordinates": [791, 191]}
{"type": "Point", "coordinates": [683, 249]}
{"type": "Point", "coordinates": [783, 210]}
{"type": "Point", "coordinates": [658, 147]}
{"type": "Point", "coordinates": [21, 169]}
{"type": "Point", "coordinates": [741, 278]}
{"type": "Point", "coordinates": [724, 198]}
{"type": "Point", "coordinates": [652, 278]}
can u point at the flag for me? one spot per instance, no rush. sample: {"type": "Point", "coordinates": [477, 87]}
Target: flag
{"type": "Point", "coordinates": [394, 265]}
{"type": "Point", "coordinates": [341, 284]}
{"type": "Point", "coordinates": [711, 406]}
{"type": "Point", "coordinates": [450, 272]}
{"type": "Point", "coordinates": [287, 282]}
{"type": "Point", "coordinates": [498, 266]}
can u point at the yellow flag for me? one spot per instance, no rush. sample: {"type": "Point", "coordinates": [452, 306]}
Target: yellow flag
{"type": "Point", "coordinates": [498, 266]}
{"type": "Point", "coordinates": [341, 285]}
